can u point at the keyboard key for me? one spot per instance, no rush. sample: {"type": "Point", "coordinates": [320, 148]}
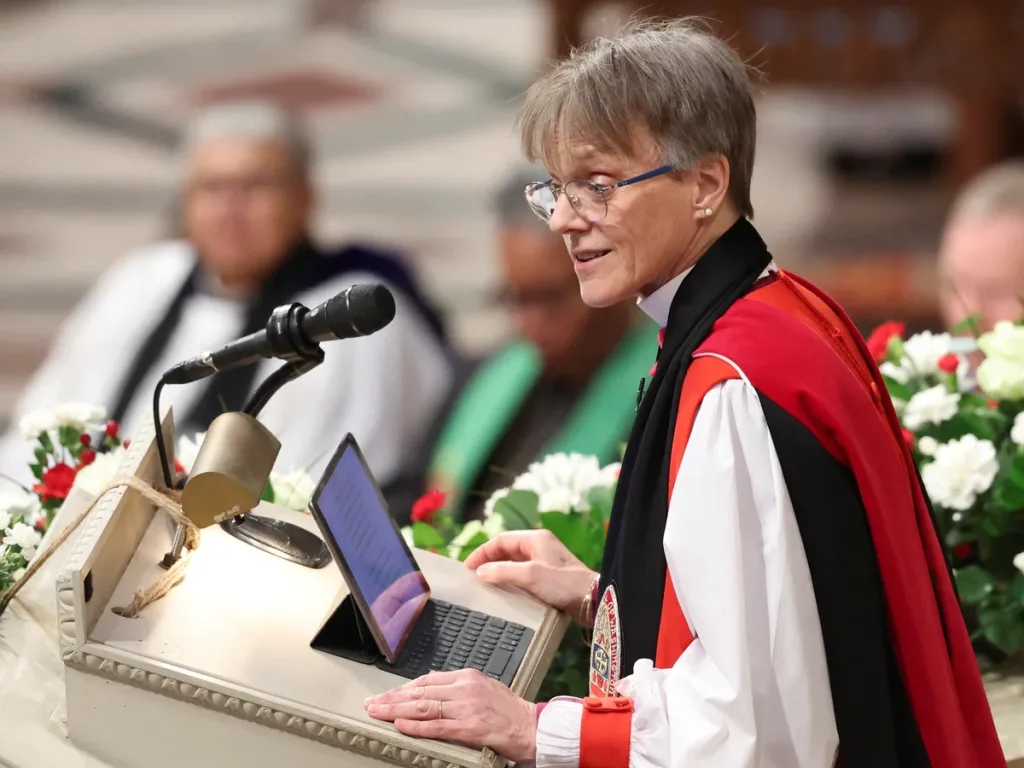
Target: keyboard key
{"type": "Point", "coordinates": [498, 661]}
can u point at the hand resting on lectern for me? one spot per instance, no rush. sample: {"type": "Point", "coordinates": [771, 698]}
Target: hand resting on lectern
{"type": "Point", "coordinates": [466, 706]}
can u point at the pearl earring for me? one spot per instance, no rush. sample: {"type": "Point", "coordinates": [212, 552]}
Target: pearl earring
{"type": "Point", "coordinates": [708, 211]}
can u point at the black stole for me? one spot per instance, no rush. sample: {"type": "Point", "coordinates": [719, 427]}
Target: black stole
{"type": "Point", "coordinates": [634, 558]}
{"type": "Point", "coordinates": [304, 269]}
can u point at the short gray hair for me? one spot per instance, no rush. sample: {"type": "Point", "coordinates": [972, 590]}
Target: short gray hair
{"type": "Point", "coordinates": [996, 191]}
{"type": "Point", "coordinates": [257, 120]}
{"type": "Point", "coordinates": [509, 200]}
{"type": "Point", "coordinates": [673, 78]}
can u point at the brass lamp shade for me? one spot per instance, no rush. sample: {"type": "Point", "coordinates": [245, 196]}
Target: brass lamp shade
{"type": "Point", "coordinates": [231, 470]}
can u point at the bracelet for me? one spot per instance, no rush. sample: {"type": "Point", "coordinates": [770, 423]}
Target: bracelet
{"type": "Point", "coordinates": [589, 605]}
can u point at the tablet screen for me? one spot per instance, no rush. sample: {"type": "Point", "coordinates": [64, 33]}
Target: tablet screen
{"type": "Point", "coordinates": [380, 567]}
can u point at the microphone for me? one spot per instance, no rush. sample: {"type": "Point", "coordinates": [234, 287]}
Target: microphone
{"type": "Point", "coordinates": [293, 329]}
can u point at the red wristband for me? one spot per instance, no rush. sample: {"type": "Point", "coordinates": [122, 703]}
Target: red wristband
{"type": "Point", "coordinates": [605, 732]}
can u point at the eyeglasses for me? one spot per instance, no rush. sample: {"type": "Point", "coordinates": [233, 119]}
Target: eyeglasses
{"type": "Point", "coordinates": [588, 199]}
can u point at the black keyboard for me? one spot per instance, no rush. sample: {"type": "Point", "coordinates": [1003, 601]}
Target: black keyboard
{"type": "Point", "coordinates": [449, 637]}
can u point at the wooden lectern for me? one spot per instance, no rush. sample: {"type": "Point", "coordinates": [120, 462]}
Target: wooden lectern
{"type": "Point", "coordinates": [220, 673]}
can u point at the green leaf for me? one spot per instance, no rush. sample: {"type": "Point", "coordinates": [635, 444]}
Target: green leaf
{"type": "Point", "coordinates": [970, 324]}
{"type": "Point", "coordinates": [897, 391]}
{"type": "Point", "coordinates": [68, 436]}
{"type": "Point", "coordinates": [37, 471]}
{"type": "Point", "coordinates": [601, 499]}
{"type": "Point", "coordinates": [519, 510]}
{"type": "Point", "coordinates": [974, 584]}
{"type": "Point", "coordinates": [46, 442]}
{"type": "Point", "coordinates": [1003, 627]}
{"type": "Point", "coordinates": [425, 536]}
{"type": "Point", "coordinates": [466, 549]}
{"type": "Point", "coordinates": [1016, 590]}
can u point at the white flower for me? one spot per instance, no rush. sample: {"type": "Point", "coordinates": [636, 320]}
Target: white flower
{"type": "Point", "coordinates": [497, 496]}
{"type": "Point", "coordinates": [407, 535]}
{"type": "Point", "coordinates": [927, 445]}
{"type": "Point", "coordinates": [960, 471]}
{"type": "Point", "coordinates": [897, 373]}
{"type": "Point", "coordinates": [463, 537]}
{"type": "Point", "coordinates": [1018, 562]}
{"type": "Point", "coordinates": [33, 424]}
{"type": "Point", "coordinates": [1005, 340]}
{"type": "Point", "coordinates": [562, 481]}
{"type": "Point", "coordinates": [930, 406]}
{"type": "Point", "coordinates": [610, 474]}
{"type": "Point", "coordinates": [18, 574]}
{"type": "Point", "coordinates": [81, 416]}
{"type": "Point", "coordinates": [1002, 378]}
{"type": "Point", "coordinates": [188, 449]}
{"type": "Point", "coordinates": [24, 536]}
{"type": "Point", "coordinates": [922, 352]}
{"type": "Point", "coordinates": [5, 518]}
{"type": "Point", "coordinates": [494, 526]}
{"type": "Point", "coordinates": [292, 490]}
{"type": "Point", "coordinates": [559, 499]}
{"type": "Point", "coordinates": [491, 526]}
{"type": "Point", "coordinates": [18, 503]}
{"type": "Point", "coordinates": [94, 477]}
{"type": "Point", "coordinates": [1017, 431]}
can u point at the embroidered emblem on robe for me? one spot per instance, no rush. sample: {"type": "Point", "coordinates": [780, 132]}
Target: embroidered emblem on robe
{"type": "Point", "coordinates": [605, 655]}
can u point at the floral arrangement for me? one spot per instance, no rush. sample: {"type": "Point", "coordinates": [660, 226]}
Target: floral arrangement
{"type": "Point", "coordinates": [75, 445]}
{"type": "Point", "coordinates": [67, 443]}
{"type": "Point", "coordinates": [568, 494]}
{"type": "Point", "coordinates": [965, 425]}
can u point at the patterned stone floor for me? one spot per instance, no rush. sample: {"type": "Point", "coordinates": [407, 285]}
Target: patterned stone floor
{"type": "Point", "coordinates": [411, 109]}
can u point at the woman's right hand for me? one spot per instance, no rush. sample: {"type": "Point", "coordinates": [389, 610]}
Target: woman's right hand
{"type": "Point", "coordinates": [538, 563]}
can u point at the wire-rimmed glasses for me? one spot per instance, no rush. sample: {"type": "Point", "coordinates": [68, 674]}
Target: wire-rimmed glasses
{"type": "Point", "coordinates": [587, 198]}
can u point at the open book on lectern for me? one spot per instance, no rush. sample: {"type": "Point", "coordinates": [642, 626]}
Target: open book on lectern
{"type": "Point", "coordinates": [389, 617]}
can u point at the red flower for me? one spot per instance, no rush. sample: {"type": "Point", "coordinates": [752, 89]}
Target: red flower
{"type": "Point", "coordinates": [878, 341]}
{"type": "Point", "coordinates": [908, 437]}
{"type": "Point", "coordinates": [428, 505]}
{"type": "Point", "coordinates": [949, 363]}
{"type": "Point", "coordinates": [179, 468]}
{"type": "Point", "coordinates": [992, 404]}
{"type": "Point", "coordinates": [40, 524]}
{"type": "Point", "coordinates": [112, 427]}
{"type": "Point", "coordinates": [126, 444]}
{"type": "Point", "coordinates": [57, 482]}
{"type": "Point", "coordinates": [85, 440]}
{"type": "Point", "coordinates": [88, 457]}
{"type": "Point", "coordinates": [963, 549]}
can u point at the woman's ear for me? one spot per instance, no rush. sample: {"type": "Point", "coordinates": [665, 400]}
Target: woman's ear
{"type": "Point", "coordinates": [711, 179]}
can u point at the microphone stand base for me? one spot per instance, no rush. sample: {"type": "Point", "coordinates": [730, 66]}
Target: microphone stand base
{"type": "Point", "coordinates": [276, 537]}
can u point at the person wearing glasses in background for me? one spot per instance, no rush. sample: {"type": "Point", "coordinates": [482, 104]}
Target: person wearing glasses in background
{"type": "Point", "coordinates": [565, 382]}
{"type": "Point", "coordinates": [246, 214]}
{"type": "Point", "coordinates": [773, 592]}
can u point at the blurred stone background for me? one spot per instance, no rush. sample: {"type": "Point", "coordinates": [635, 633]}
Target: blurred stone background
{"type": "Point", "coordinates": [412, 104]}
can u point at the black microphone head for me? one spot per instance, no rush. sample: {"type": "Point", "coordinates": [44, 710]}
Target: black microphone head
{"type": "Point", "coordinates": [356, 311]}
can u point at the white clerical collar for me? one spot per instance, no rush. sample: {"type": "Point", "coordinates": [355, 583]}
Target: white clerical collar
{"type": "Point", "coordinates": [657, 305]}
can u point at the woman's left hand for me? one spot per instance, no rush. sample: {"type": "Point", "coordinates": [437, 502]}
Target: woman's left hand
{"type": "Point", "coordinates": [466, 707]}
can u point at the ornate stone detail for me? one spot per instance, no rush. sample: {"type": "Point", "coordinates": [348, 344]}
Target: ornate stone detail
{"type": "Point", "coordinates": [352, 738]}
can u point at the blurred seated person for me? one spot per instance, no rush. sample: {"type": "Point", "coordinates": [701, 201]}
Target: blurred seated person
{"type": "Point", "coordinates": [981, 258]}
{"type": "Point", "coordinates": [246, 213]}
{"type": "Point", "coordinates": [567, 382]}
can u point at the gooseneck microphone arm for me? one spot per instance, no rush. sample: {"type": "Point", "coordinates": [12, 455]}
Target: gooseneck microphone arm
{"type": "Point", "coordinates": [283, 335]}
{"type": "Point", "coordinates": [293, 334]}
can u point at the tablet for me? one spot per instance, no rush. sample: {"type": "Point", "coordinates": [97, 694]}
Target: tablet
{"type": "Point", "coordinates": [383, 577]}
